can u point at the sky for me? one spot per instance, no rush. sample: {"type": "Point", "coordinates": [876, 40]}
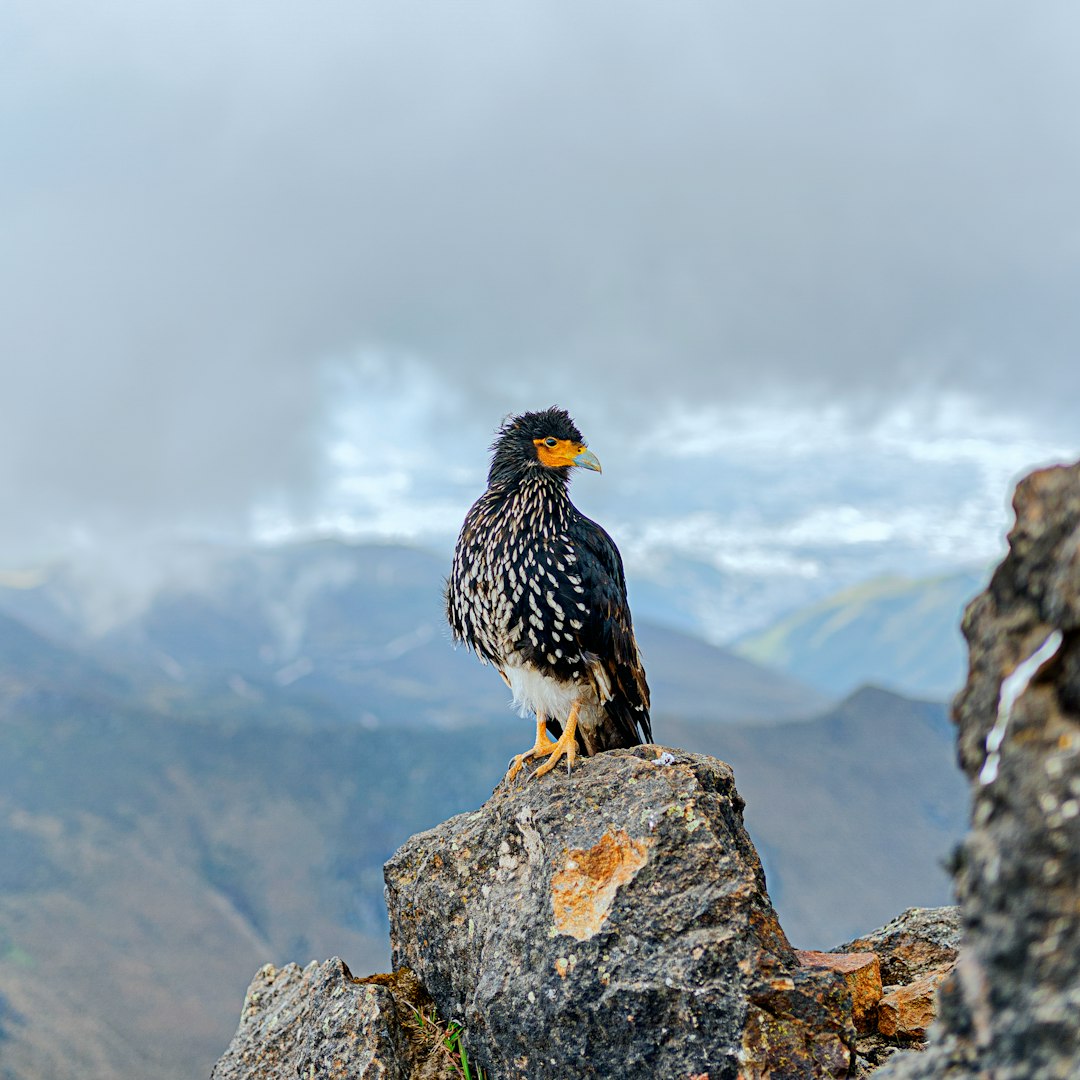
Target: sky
{"type": "Point", "coordinates": [806, 275]}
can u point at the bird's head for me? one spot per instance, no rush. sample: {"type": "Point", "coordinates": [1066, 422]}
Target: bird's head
{"type": "Point", "coordinates": [539, 440]}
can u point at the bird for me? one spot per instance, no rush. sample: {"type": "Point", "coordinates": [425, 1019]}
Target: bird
{"type": "Point", "coordinates": [538, 590]}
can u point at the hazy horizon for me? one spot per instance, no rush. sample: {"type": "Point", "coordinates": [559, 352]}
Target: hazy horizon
{"type": "Point", "coordinates": [805, 277]}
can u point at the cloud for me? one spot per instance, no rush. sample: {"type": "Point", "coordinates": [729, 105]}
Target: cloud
{"type": "Point", "coordinates": [618, 206]}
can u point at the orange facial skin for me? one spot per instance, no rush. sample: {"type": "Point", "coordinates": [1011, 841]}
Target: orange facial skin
{"type": "Point", "coordinates": [564, 453]}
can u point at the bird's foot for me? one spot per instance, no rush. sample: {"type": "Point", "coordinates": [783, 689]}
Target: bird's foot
{"type": "Point", "coordinates": [518, 762]}
{"type": "Point", "coordinates": [541, 748]}
{"type": "Point", "coordinates": [565, 747]}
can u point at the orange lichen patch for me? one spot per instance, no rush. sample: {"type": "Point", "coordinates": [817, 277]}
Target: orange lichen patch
{"type": "Point", "coordinates": [584, 890]}
{"type": "Point", "coordinates": [861, 972]}
{"type": "Point", "coordinates": [909, 1010]}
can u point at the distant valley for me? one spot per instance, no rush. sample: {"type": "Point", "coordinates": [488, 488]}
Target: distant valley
{"type": "Point", "coordinates": [215, 782]}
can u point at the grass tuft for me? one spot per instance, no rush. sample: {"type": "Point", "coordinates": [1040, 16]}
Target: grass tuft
{"type": "Point", "coordinates": [445, 1042]}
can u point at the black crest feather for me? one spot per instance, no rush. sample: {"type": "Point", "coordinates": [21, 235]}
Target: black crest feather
{"type": "Point", "coordinates": [514, 447]}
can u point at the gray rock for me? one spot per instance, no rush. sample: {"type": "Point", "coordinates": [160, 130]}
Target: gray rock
{"type": "Point", "coordinates": [1011, 1009]}
{"type": "Point", "coordinates": [614, 923]}
{"type": "Point", "coordinates": [322, 1022]}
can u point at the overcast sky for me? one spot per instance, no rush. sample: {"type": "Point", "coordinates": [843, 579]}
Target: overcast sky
{"type": "Point", "coordinates": [271, 263]}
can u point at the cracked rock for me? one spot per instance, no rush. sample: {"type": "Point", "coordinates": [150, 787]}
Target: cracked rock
{"type": "Point", "coordinates": [614, 923]}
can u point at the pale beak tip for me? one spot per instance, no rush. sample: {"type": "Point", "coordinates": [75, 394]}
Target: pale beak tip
{"type": "Point", "coordinates": [588, 460]}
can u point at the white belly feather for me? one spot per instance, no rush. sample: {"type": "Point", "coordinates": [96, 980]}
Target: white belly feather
{"type": "Point", "coordinates": [552, 698]}
{"type": "Point", "coordinates": [535, 692]}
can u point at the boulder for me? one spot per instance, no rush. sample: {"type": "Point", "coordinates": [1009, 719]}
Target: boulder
{"type": "Point", "coordinates": [323, 1022]}
{"type": "Point", "coordinates": [614, 923]}
{"type": "Point", "coordinates": [1011, 1010]}
{"type": "Point", "coordinates": [918, 942]}
{"type": "Point", "coordinates": [907, 1011]}
{"type": "Point", "coordinates": [861, 972]}
{"type": "Point", "coordinates": [911, 955]}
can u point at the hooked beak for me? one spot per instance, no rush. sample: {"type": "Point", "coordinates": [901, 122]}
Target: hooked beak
{"type": "Point", "coordinates": [588, 460]}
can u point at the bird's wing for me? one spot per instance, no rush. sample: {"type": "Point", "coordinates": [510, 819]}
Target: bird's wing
{"type": "Point", "coordinates": [608, 634]}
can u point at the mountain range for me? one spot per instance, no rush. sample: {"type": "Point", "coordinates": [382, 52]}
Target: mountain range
{"type": "Point", "coordinates": [214, 782]}
{"type": "Point", "coordinates": [894, 632]}
{"type": "Point", "coordinates": [357, 633]}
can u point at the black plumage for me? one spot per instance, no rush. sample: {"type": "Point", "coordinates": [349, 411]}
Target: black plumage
{"type": "Point", "coordinates": [538, 590]}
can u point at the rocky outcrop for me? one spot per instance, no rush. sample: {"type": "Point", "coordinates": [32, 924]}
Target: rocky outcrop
{"type": "Point", "coordinates": [921, 941]}
{"type": "Point", "coordinates": [614, 922]}
{"type": "Point", "coordinates": [1011, 1009]}
{"type": "Point", "coordinates": [324, 1022]}
{"type": "Point", "coordinates": [319, 1019]}
{"type": "Point", "coordinates": [912, 955]}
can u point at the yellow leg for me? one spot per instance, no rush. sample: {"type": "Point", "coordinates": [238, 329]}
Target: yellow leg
{"type": "Point", "coordinates": [565, 747]}
{"type": "Point", "coordinates": [541, 748]}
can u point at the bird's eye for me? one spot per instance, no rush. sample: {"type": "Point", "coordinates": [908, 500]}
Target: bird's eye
{"type": "Point", "coordinates": [549, 441]}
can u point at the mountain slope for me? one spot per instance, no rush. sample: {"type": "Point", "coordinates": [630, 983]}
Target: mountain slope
{"type": "Point", "coordinates": [166, 830]}
{"type": "Point", "coordinates": [693, 680]}
{"type": "Point", "coordinates": [153, 857]}
{"type": "Point", "coordinates": [357, 633]}
{"type": "Point", "coordinates": [29, 659]}
{"type": "Point", "coordinates": [854, 812]}
{"type": "Point", "coordinates": [150, 862]}
{"type": "Point", "coordinates": [892, 632]}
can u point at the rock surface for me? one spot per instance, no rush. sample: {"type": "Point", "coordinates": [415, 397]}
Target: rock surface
{"type": "Point", "coordinates": [918, 942]}
{"type": "Point", "coordinates": [912, 954]}
{"type": "Point", "coordinates": [614, 923]}
{"type": "Point", "coordinates": [907, 1011]}
{"type": "Point", "coordinates": [322, 1022]}
{"type": "Point", "coordinates": [1012, 1008]}
{"type": "Point", "coordinates": [861, 972]}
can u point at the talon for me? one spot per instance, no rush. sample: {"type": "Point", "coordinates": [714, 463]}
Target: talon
{"type": "Point", "coordinates": [565, 747]}
{"type": "Point", "coordinates": [517, 763]}
{"type": "Point", "coordinates": [541, 748]}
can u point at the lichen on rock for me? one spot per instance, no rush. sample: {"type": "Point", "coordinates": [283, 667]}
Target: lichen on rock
{"type": "Point", "coordinates": [583, 892]}
{"type": "Point", "coordinates": [615, 922]}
